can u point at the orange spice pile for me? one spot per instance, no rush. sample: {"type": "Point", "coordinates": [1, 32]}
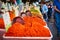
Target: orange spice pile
{"type": "Point", "coordinates": [12, 15]}
{"type": "Point", "coordinates": [33, 27]}
{"type": "Point", "coordinates": [1, 23]}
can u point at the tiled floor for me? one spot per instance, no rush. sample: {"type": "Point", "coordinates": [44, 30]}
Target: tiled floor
{"type": "Point", "coordinates": [53, 29]}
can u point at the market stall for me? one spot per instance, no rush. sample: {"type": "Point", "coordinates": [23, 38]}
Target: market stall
{"type": "Point", "coordinates": [31, 26]}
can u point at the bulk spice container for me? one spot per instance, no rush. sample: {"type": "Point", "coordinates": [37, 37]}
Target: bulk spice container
{"type": "Point", "coordinates": [18, 27]}
{"type": "Point", "coordinates": [28, 38]}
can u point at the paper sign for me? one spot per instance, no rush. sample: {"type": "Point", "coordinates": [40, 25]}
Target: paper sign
{"type": "Point", "coordinates": [6, 19]}
{"type": "Point", "coordinates": [16, 12]}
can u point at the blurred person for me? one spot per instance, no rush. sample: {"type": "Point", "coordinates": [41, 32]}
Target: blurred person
{"type": "Point", "coordinates": [50, 9]}
{"type": "Point", "coordinates": [57, 15]}
{"type": "Point", "coordinates": [40, 6]}
{"type": "Point", "coordinates": [44, 10]}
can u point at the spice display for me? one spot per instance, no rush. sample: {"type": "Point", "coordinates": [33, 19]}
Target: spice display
{"type": "Point", "coordinates": [1, 23]}
{"type": "Point", "coordinates": [31, 28]}
{"type": "Point", "coordinates": [12, 15]}
{"type": "Point", "coordinates": [16, 29]}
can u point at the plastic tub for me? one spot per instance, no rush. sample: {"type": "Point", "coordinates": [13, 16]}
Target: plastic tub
{"type": "Point", "coordinates": [28, 38]}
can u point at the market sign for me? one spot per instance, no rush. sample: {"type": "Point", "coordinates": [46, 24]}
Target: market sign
{"type": "Point", "coordinates": [6, 19]}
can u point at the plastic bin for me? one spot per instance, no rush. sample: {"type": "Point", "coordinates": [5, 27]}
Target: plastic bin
{"type": "Point", "coordinates": [28, 38]}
